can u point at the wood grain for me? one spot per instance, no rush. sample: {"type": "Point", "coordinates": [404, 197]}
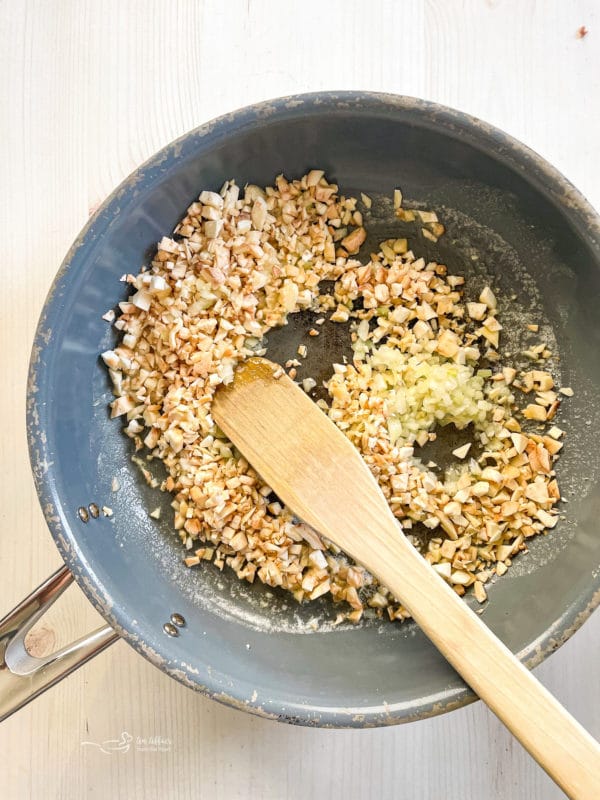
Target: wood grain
{"type": "Point", "coordinates": [315, 470]}
{"type": "Point", "coordinates": [89, 90]}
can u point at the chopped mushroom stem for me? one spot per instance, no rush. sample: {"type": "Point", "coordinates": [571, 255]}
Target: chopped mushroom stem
{"type": "Point", "coordinates": [237, 265]}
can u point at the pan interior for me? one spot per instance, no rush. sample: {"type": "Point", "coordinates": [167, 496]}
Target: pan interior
{"type": "Point", "coordinates": [252, 643]}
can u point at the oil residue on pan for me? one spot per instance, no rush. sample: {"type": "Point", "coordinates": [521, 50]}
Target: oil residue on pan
{"type": "Point", "coordinates": [469, 249]}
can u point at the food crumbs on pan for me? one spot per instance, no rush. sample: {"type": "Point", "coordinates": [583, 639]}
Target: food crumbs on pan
{"type": "Point", "coordinates": [426, 353]}
{"type": "Point", "coordinates": [156, 513]}
{"type": "Point", "coordinates": [115, 485]}
{"type": "Point", "coordinates": [108, 512]}
{"type": "Point", "coordinates": [461, 452]}
{"type": "Point", "coordinates": [83, 514]}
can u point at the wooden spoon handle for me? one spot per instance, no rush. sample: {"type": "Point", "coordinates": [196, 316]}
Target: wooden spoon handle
{"type": "Point", "coordinates": [553, 737]}
{"type": "Point", "coordinates": [319, 474]}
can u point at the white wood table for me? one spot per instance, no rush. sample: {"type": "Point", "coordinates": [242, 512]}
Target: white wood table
{"type": "Point", "coordinates": [89, 90]}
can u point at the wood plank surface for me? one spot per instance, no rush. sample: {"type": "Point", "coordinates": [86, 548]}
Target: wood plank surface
{"type": "Point", "coordinates": [89, 90]}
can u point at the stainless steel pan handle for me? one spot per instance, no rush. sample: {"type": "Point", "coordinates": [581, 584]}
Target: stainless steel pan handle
{"type": "Point", "coordinates": [23, 676]}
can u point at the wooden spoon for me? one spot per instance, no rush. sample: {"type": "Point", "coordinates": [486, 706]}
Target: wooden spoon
{"type": "Point", "coordinates": [318, 473]}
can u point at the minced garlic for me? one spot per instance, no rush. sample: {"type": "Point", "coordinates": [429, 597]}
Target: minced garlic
{"type": "Point", "coordinates": [236, 266]}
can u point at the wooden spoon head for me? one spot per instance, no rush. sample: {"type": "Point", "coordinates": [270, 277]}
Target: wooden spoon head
{"type": "Point", "coordinates": [317, 472]}
{"type": "Point", "coordinates": [302, 455]}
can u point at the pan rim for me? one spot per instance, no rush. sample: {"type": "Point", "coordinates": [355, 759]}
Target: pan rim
{"type": "Point", "coordinates": [516, 156]}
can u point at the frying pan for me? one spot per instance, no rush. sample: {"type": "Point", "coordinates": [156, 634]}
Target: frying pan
{"type": "Point", "coordinates": [511, 220]}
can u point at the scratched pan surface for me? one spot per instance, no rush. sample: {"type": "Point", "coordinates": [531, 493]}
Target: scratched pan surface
{"type": "Point", "coordinates": [511, 220]}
